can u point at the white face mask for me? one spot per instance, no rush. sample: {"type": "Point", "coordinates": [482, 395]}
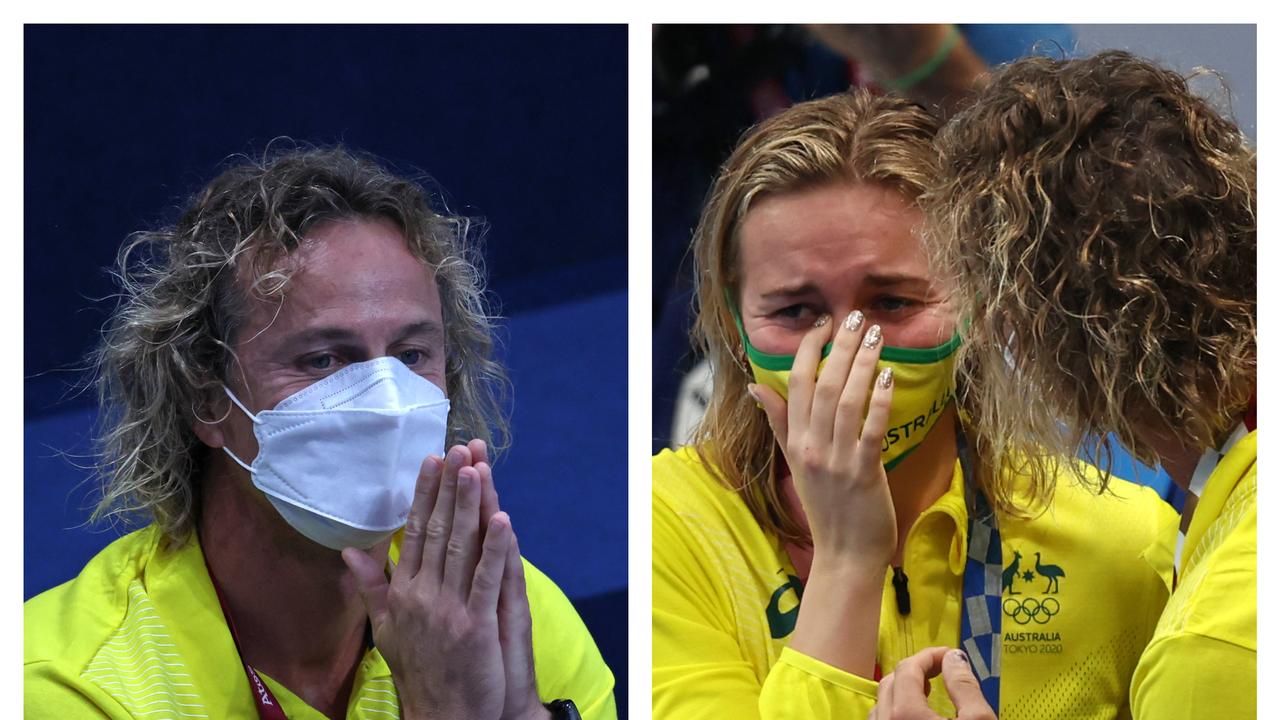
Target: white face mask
{"type": "Point", "coordinates": [339, 459]}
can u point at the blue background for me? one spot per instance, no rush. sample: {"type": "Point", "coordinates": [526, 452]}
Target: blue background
{"type": "Point", "coordinates": [524, 126]}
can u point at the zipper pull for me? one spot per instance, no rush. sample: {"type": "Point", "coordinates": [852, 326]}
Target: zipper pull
{"type": "Point", "coordinates": [900, 591]}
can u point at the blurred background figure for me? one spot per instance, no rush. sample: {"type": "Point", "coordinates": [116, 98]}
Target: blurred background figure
{"type": "Point", "coordinates": [712, 82]}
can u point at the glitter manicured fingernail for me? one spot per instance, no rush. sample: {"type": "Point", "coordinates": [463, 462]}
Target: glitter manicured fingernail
{"type": "Point", "coordinates": [853, 321]}
{"type": "Point", "coordinates": [873, 337]}
{"type": "Point", "coordinates": [822, 321]}
{"type": "Point", "coordinates": [886, 378]}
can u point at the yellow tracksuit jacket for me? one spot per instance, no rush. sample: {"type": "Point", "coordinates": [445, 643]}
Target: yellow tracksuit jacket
{"type": "Point", "coordinates": [140, 634]}
{"type": "Point", "coordinates": [1084, 584]}
{"type": "Point", "coordinates": [1203, 660]}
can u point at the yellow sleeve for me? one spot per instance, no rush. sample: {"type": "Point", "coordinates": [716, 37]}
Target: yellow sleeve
{"type": "Point", "coordinates": [1187, 676]}
{"type": "Point", "coordinates": [566, 660]}
{"type": "Point", "coordinates": [800, 686]}
{"type": "Point", "coordinates": [698, 667]}
{"type": "Point", "coordinates": [48, 692]}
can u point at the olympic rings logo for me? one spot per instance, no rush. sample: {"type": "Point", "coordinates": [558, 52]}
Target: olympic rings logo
{"type": "Point", "coordinates": [1031, 609]}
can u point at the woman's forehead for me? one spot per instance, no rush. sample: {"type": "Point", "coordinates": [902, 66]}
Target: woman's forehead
{"type": "Point", "coordinates": [827, 233]}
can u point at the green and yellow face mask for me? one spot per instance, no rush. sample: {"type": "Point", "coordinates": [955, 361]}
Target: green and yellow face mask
{"type": "Point", "coordinates": [923, 386]}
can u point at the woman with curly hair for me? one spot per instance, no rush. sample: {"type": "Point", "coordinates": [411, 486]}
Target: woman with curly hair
{"type": "Point", "coordinates": [832, 518]}
{"type": "Point", "coordinates": [1101, 223]}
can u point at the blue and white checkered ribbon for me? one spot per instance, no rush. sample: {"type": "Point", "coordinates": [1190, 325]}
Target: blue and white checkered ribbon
{"type": "Point", "coordinates": [980, 614]}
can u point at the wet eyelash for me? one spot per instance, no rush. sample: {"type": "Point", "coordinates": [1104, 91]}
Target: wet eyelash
{"type": "Point", "coordinates": [900, 302]}
{"type": "Point", "coordinates": [791, 311]}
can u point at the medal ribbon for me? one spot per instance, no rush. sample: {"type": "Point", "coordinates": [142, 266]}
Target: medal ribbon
{"type": "Point", "coordinates": [980, 613]}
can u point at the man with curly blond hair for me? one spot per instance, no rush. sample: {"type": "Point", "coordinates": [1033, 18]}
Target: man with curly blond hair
{"type": "Point", "coordinates": [1100, 220]}
{"type": "Point", "coordinates": [279, 384]}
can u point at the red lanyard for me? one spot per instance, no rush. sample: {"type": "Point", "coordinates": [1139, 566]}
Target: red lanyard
{"type": "Point", "coordinates": [268, 707]}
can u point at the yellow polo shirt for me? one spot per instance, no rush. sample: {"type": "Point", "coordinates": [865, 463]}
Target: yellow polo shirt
{"type": "Point", "coordinates": [1203, 660]}
{"type": "Point", "coordinates": [139, 633]}
{"type": "Point", "coordinates": [1084, 584]}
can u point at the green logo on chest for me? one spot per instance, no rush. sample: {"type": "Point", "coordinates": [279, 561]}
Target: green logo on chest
{"type": "Point", "coordinates": [1012, 573]}
{"type": "Point", "coordinates": [781, 624]}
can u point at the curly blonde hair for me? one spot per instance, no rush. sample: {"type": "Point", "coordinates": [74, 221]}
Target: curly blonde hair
{"type": "Point", "coordinates": [184, 293]}
{"type": "Point", "coordinates": [1099, 220]}
{"type": "Point", "coordinates": [851, 137]}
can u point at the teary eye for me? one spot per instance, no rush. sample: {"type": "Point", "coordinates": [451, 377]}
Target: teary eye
{"type": "Point", "coordinates": [321, 362]}
{"type": "Point", "coordinates": [890, 303]}
{"type": "Point", "coordinates": [799, 312]}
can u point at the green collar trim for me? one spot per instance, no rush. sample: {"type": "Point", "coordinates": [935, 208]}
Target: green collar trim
{"type": "Point", "coordinates": [894, 462]}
